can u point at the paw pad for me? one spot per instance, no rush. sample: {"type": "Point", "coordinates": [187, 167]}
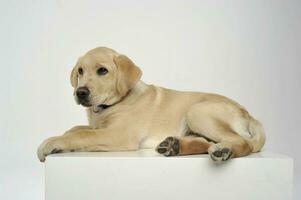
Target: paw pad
{"type": "Point", "coordinates": [219, 153]}
{"type": "Point", "coordinates": [169, 147]}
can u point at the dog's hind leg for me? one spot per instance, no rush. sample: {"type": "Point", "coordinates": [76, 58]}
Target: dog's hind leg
{"type": "Point", "coordinates": [186, 145]}
{"type": "Point", "coordinates": [225, 124]}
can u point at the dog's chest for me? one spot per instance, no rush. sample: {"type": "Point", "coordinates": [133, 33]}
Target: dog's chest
{"type": "Point", "coordinates": [109, 118]}
{"type": "Point", "coordinates": [99, 119]}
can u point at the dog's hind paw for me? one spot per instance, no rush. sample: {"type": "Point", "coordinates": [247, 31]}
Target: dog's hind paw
{"type": "Point", "coordinates": [220, 152]}
{"type": "Point", "coordinates": [169, 147]}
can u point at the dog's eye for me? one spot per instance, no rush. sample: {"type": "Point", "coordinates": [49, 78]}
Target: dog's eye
{"type": "Point", "coordinates": [80, 71]}
{"type": "Point", "coordinates": [102, 71]}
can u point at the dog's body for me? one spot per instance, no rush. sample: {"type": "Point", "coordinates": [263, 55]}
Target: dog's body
{"type": "Point", "coordinates": [126, 114]}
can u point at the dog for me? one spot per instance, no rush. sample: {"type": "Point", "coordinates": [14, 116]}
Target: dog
{"type": "Point", "coordinates": [125, 114]}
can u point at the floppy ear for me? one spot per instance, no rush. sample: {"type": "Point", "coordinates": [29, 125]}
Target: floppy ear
{"type": "Point", "coordinates": [128, 74]}
{"type": "Point", "coordinates": [74, 77]}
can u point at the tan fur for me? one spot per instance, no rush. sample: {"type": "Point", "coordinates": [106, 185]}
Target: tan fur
{"type": "Point", "coordinates": [193, 145]}
{"type": "Point", "coordinates": [142, 116]}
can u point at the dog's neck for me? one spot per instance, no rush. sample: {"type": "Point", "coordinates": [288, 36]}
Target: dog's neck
{"type": "Point", "coordinates": [133, 96]}
{"type": "Point", "coordinates": [139, 88]}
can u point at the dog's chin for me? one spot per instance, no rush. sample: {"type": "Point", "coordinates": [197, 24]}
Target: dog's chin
{"type": "Point", "coordinates": [96, 108]}
{"type": "Point", "coordinates": [85, 104]}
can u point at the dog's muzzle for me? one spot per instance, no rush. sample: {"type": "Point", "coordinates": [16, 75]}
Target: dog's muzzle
{"type": "Point", "coordinates": [82, 94]}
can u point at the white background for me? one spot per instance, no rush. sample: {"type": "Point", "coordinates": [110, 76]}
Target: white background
{"type": "Point", "coordinates": [247, 50]}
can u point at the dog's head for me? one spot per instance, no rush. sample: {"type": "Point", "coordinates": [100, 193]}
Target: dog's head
{"type": "Point", "coordinates": [103, 77]}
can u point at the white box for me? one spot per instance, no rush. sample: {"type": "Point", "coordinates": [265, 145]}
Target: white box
{"type": "Point", "coordinates": [146, 175]}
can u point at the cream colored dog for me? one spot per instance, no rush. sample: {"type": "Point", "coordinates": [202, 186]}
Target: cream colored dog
{"type": "Point", "coordinates": [126, 114]}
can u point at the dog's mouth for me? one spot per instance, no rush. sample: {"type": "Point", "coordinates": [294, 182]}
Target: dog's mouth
{"type": "Point", "coordinates": [84, 102]}
{"type": "Point", "coordinates": [99, 107]}
{"type": "Point", "coordinates": [95, 107]}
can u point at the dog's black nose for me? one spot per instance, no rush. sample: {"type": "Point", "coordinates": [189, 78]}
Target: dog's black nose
{"type": "Point", "coordinates": [82, 92]}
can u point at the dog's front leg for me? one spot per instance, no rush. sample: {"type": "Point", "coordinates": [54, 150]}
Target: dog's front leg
{"type": "Point", "coordinates": [88, 140]}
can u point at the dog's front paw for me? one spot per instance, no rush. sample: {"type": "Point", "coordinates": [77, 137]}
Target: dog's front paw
{"type": "Point", "coordinates": [220, 152]}
{"type": "Point", "coordinates": [169, 147]}
{"type": "Point", "coordinates": [50, 146]}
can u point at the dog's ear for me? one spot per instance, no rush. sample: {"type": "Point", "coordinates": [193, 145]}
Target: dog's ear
{"type": "Point", "coordinates": [74, 77]}
{"type": "Point", "coordinates": [128, 74]}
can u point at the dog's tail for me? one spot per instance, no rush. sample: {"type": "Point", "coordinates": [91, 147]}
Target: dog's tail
{"type": "Point", "coordinates": [257, 134]}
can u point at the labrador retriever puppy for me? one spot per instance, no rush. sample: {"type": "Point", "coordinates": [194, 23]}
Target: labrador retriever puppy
{"type": "Point", "coordinates": [125, 114]}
